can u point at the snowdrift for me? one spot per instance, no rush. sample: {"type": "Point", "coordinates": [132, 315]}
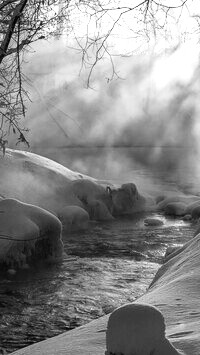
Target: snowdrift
{"type": "Point", "coordinates": [174, 291]}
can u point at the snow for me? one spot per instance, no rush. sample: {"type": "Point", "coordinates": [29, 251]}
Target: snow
{"type": "Point", "coordinates": [74, 218]}
{"type": "Point", "coordinates": [51, 188]}
{"type": "Point", "coordinates": [137, 329]}
{"type": "Point", "coordinates": [40, 181]}
{"type": "Point", "coordinates": [35, 179]}
{"type": "Point", "coordinates": [24, 228]}
{"type": "Point", "coordinates": [174, 292]}
{"type": "Point", "coordinates": [127, 200]}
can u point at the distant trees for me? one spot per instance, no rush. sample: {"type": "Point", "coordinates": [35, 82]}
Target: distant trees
{"type": "Point", "coordinates": [23, 22]}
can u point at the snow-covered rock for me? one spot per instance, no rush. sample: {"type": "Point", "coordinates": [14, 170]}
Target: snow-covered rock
{"type": "Point", "coordinates": [191, 206]}
{"type": "Point", "coordinates": [137, 329]}
{"type": "Point", "coordinates": [27, 233]}
{"type": "Point", "coordinates": [153, 222]}
{"type": "Point", "coordinates": [34, 179]}
{"type": "Point", "coordinates": [127, 200]}
{"type": "Point", "coordinates": [98, 210]}
{"type": "Point", "coordinates": [177, 198]}
{"type": "Point", "coordinates": [175, 209]}
{"type": "Point", "coordinates": [40, 181]}
{"type": "Point", "coordinates": [74, 218]}
{"type": "Point", "coordinates": [94, 197]}
{"type": "Point", "coordinates": [57, 191]}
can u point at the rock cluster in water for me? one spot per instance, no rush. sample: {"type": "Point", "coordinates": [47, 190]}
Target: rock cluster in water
{"type": "Point", "coordinates": [39, 196]}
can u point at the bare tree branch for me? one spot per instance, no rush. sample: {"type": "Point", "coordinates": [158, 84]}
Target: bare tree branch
{"type": "Point", "coordinates": [23, 22]}
{"type": "Point", "coordinates": [16, 15]}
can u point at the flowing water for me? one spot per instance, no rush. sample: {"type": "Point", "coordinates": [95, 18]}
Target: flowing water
{"type": "Point", "coordinates": [104, 267]}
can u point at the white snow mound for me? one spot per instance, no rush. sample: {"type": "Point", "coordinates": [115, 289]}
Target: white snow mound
{"type": "Point", "coordinates": [137, 329]}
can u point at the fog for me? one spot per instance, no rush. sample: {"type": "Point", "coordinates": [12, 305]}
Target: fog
{"type": "Point", "coordinates": [151, 108]}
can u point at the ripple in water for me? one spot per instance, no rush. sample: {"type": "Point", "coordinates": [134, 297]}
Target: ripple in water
{"type": "Point", "coordinates": [106, 266]}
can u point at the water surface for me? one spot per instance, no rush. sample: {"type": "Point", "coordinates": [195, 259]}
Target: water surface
{"type": "Point", "coordinates": [106, 266]}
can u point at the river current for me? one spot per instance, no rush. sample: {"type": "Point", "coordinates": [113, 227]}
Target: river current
{"type": "Point", "coordinates": [104, 267]}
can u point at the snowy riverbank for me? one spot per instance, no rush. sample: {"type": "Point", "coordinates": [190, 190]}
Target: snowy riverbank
{"type": "Point", "coordinates": [36, 180]}
{"type": "Point", "coordinates": [174, 291]}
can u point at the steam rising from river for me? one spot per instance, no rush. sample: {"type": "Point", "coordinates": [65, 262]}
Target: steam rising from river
{"type": "Point", "coordinates": [153, 106]}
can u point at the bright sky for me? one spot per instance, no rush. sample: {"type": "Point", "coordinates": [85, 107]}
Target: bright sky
{"type": "Point", "coordinates": [132, 36]}
{"type": "Point", "coordinates": [129, 38]}
{"type": "Point", "coordinates": [129, 35]}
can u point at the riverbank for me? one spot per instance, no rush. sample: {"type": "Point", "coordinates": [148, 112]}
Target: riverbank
{"type": "Point", "coordinates": [174, 291]}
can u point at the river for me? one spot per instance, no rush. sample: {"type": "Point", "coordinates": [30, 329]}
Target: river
{"type": "Point", "coordinates": [106, 266]}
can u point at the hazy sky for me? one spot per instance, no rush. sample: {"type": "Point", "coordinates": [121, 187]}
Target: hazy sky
{"type": "Point", "coordinates": [152, 101]}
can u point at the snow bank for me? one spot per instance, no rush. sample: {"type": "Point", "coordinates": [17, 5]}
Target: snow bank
{"type": "Point", "coordinates": [174, 291]}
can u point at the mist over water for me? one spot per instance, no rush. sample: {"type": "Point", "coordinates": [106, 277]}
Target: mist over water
{"type": "Point", "coordinates": [151, 109]}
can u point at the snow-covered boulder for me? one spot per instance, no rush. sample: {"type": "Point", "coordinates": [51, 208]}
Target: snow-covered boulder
{"type": "Point", "coordinates": [176, 209]}
{"type": "Point", "coordinates": [27, 233]}
{"type": "Point", "coordinates": [74, 218]}
{"type": "Point", "coordinates": [85, 188]}
{"type": "Point", "coordinates": [177, 198]}
{"type": "Point", "coordinates": [98, 210]}
{"type": "Point", "coordinates": [40, 181]}
{"type": "Point", "coordinates": [94, 197]}
{"type": "Point", "coordinates": [192, 206]}
{"type": "Point", "coordinates": [137, 329]}
{"type": "Point", "coordinates": [127, 200]}
{"type": "Point", "coordinates": [37, 180]}
{"type": "Point", "coordinates": [153, 222]}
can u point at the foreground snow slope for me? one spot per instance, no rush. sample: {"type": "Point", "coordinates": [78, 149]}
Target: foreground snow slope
{"type": "Point", "coordinates": [174, 291]}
